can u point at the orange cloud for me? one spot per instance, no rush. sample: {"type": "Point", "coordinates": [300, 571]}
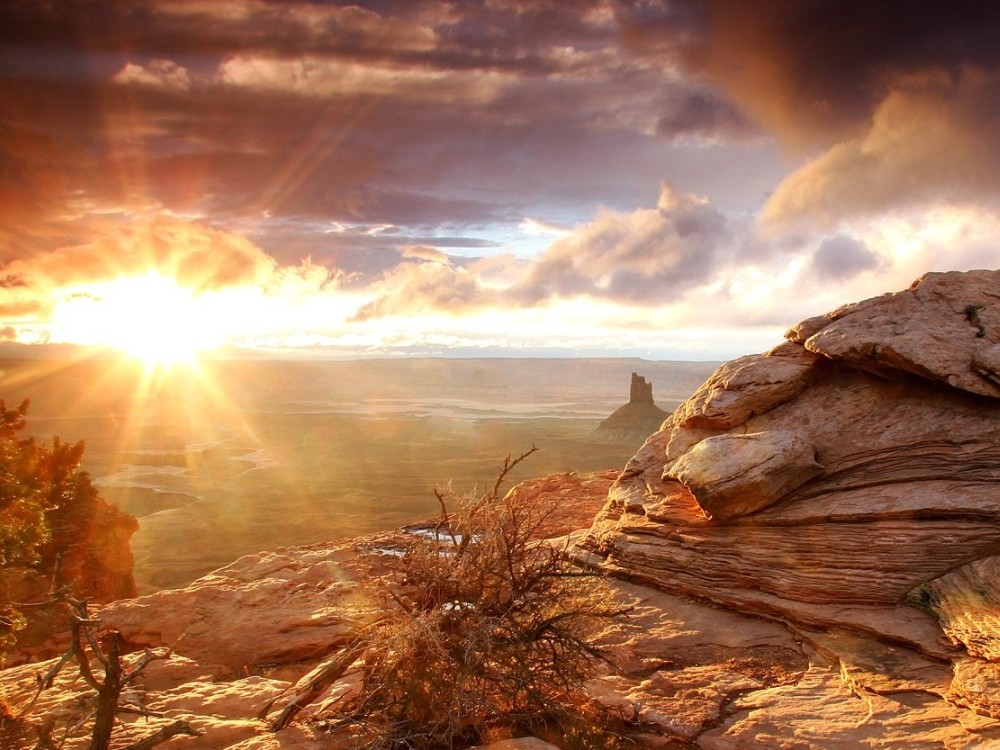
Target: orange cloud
{"type": "Point", "coordinates": [33, 188]}
{"type": "Point", "coordinates": [935, 137]}
{"type": "Point", "coordinates": [196, 256]}
{"type": "Point", "coordinates": [158, 74]}
{"type": "Point", "coordinates": [422, 252]}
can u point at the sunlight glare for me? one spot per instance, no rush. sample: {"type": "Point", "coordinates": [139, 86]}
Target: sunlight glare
{"type": "Point", "coordinates": [149, 317]}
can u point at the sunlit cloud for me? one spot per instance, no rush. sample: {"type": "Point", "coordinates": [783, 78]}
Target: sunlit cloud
{"type": "Point", "coordinates": [321, 77]}
{"type": "Point", "coordinates": [195, 255]}
{"type": "Point", "coordinates": [646, 256]}
{"type": "Point", "coordinates": [161, 74]}
{"type": "Point", "coordinates": [934, 137]}
{"type": "Point", "coordinates": [422, 252]}
{"type": "Point", "coordinates": [538, 228]}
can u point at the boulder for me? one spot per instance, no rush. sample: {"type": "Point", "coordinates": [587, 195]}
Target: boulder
{"type": "Point", "coordinates": [828, 480]}
{"type": "Point", "coordinates": [734, 475]}
{"type": "Point", "coordinates": [934, 329]}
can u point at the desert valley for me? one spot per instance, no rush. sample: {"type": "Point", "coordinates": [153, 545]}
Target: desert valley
{"type": "Point", "coordinates": [241, 456]}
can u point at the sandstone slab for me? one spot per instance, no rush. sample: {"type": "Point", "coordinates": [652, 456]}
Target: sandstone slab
{"type": "Point", "coordinates": [308, 600]}
{"type": "Point", "coordinates": [748, 385]}
{"type": "Point", "coordinates": [735, 475]}
{"type": "Point", "coordinates": [934, 330]}
{"type": "Point", "coordinates": [847, 719]}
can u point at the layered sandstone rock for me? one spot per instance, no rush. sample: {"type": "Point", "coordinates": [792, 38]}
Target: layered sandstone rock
{"type": "Point", "coordinates": [687, 673]}
{"type": "Point", "coordinates": [846, 481]}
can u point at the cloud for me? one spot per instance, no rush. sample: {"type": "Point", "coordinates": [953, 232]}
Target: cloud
{"type": "Point", "coordinates": [422, 252]}
{"type": "Point", "coordinates": [33, 189]}
{"type": "Point", "coordinates": [429, 116]}
{"type": "Point", "coordinates": [255, 129]}
{"type": "Point", "coordinates": [702, 114]}
{"type": "Point", "coordinates": [197, 256]}
{"type": "Point", "coordinates": [652, 257]}
{"type": "Point", "coordinates": [337, 79]}
{"type": "Point", "coordinates": [415, 288]}
{"type": "Point", "coordinates": [935, 137]}
{"type": "Point", "coordinates": [644, 257]}
{"type": "Point", "coordinates": [894, 101]}
{"type": "Point", "coordinates": [841, 258]}
{"type": "Point", "coordinates": [812, 70]}
{"type": "Point", "coordinates": [158, 74]}
{"type": "Point", "coordinates": [685, 265]}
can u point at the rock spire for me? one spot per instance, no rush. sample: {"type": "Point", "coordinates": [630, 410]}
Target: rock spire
{"type": "Point", "coordinates": [639, 416]}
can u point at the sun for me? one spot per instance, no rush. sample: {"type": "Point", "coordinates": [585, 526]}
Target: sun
{"type": "Point", "coordinates": [149, 317]}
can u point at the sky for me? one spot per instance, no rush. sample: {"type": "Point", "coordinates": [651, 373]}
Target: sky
{"type": "Point", "coordinates": [671, 179]}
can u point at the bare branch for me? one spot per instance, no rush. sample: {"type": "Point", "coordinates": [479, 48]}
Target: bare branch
{"type": "Point", "coordinates": [314, 684]}
{"type": "Point", "coordinates": [148, 657]}
{"type": "Point", "coordinates": [445, 521]}
{"type": "Point", "coordinates": [164, 734]}
{"type": "Point", "coordinates": [107, 696]}
{"type": "Point", "coordinates": [76, 646]}
{"type": "Point", "coordinates": [508, 466]}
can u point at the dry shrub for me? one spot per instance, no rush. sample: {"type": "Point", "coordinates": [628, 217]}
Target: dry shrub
{"type": "Point", "coordinates": [486, 630]}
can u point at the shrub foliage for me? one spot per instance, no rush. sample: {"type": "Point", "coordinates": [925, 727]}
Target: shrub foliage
{"type": "Point", "coordinates": [36, 480]}
{"type": "Point", "coordinates": [484, 628]}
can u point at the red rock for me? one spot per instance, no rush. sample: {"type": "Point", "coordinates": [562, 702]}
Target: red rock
{"type": "Point", "coordinates": [934, 329]}
{"type": "Point", "coordinates": [734, 475]}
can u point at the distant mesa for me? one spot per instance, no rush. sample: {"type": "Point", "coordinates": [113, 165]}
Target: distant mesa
{"type": "Point", "coordinates": [639, 415]}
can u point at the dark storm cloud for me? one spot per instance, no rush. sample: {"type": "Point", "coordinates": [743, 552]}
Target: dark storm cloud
{"type": "Point", "coordinates": [702, 113]}
{"type": "Point", "coordinates": [936, 137]}
{"type": "Point", "coordinates": [815, 69]}
{"type": "Point", "coordinates": [901, 93]}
